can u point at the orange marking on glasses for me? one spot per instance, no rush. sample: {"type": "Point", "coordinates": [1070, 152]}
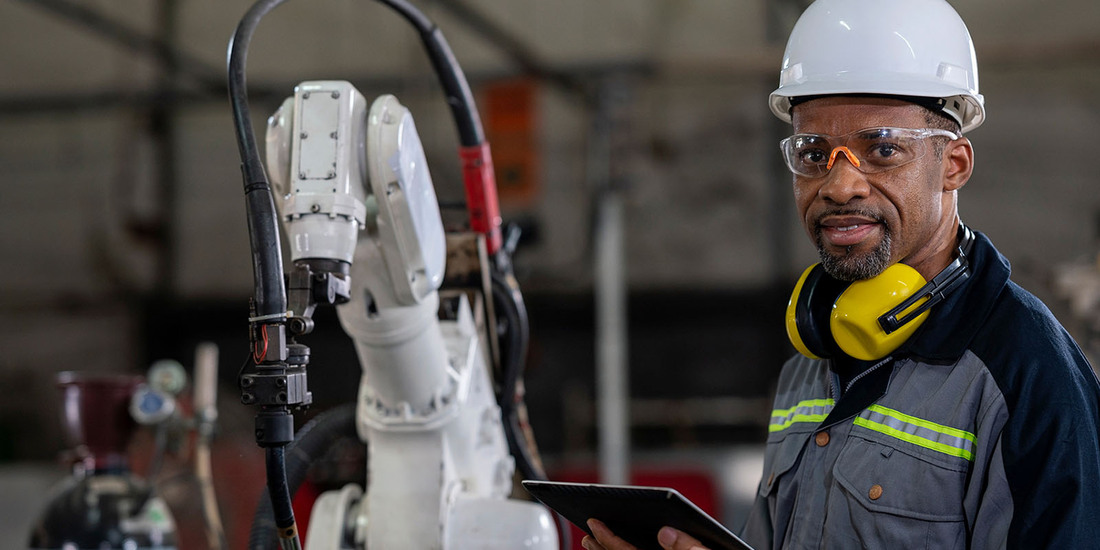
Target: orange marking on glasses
{"type": "Point", "coordinates": [847, 152]}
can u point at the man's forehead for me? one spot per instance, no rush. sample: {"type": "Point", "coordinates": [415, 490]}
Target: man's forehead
{"type": "Point", "coordinates": [838, 115]}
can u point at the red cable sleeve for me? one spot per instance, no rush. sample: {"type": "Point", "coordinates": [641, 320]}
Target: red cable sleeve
{"type": "Point", "coordinates": [481, 193]}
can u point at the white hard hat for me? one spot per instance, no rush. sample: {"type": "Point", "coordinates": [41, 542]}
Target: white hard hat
{"type": "Point", "coordinates": [917, 49]}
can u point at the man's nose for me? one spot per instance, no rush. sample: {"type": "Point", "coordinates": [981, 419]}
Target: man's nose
{"type": "Point", "coordinates": [844, 181]}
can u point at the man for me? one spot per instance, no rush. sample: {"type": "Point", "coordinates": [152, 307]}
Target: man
{"type": "Point", "coordinates": [979, 427]}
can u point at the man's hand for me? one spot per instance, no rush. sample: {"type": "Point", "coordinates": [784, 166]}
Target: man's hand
{"type": "Point", "coordinates": [667, 537]}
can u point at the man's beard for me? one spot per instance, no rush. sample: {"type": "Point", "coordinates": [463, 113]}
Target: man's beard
{"type": "Point", "coordinates": [851, 266]}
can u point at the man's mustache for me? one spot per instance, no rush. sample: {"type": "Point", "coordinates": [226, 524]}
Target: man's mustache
{"type": "Point", "coordinates": [847, 212]}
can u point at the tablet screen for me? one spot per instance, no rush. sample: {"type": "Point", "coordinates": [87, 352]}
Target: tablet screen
{"type": "Point", "coordinates": [634, 513]}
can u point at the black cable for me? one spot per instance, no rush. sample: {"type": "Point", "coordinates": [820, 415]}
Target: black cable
{"type": "Point", "coordinates": [263, 222]}
{"type": "Point", "coordinates": [451, 77]}
{"type": "Point", "coordinates": [311, 443]}
{"type": "Point", "coordinates": [238, 95]}
{"type": "Point", "coordinates": [278, 489]}
{"type": "Point", "coordinates": [508, 302]}
{"type": "Point", "coordinates": [269, 301]}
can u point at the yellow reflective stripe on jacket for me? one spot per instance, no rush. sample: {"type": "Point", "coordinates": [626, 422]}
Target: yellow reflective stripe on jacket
{"type": "Point", "coordinates": [937, 437]}
{"type": "Point", "coordinates": [810, 410]}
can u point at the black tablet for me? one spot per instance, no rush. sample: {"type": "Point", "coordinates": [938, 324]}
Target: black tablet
{"type": "Point", "coordinates": [634, 513]}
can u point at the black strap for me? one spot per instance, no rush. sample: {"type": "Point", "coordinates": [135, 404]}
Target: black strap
{"type": "Point", "coordinates": [935, 290]}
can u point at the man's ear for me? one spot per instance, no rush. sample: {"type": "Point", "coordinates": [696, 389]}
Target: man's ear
{"type": "Point", "coordinates": [958, 163]}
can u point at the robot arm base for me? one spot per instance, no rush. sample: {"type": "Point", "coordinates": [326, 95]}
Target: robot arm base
{"type": "Point", "coordinates": [486, 523]}
{"type": "Point", "coordinates": [499, 524]}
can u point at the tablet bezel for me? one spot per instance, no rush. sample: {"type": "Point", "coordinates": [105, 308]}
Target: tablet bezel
{"type": "Point", "coordinates": [634, 513]}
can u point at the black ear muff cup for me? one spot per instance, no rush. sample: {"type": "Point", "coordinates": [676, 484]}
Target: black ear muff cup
{"type": "Point", "coordinates": [809, 312]}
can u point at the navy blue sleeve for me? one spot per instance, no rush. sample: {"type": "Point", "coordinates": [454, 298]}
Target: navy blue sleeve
{"type": "Point", "coordinates": [1051, 442]}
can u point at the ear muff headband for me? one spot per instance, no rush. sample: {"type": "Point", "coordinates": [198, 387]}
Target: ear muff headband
{"type": "Point", "coordinates": [937, 290]}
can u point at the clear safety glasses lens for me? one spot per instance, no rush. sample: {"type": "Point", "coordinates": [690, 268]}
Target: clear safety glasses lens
{"type": "Point", "coordinates": [870, 150]}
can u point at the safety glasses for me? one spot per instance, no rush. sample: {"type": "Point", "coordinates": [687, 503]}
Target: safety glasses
{"type": "Point", "coordinates": [870, 150]}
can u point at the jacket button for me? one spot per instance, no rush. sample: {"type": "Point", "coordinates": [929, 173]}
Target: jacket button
{"type": "Point", "coordinates": [875, 492]}
{"type": "Point", "coordinates": [771, 478]}
{"type": "Point", "coordinates": [822, 439]}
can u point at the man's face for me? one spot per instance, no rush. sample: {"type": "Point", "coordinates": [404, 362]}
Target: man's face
{"type": "Point", "coordinates": [863, 223]}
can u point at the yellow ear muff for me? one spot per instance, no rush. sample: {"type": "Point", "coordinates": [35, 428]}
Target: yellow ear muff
{"type": "Point", "coordinates": [854, 321]}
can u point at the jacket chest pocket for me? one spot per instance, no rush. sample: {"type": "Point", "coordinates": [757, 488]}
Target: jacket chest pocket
{"type": "Point", "coordinates": [779, 483]}
{"type": "Point", "coordinates": [891, 494]}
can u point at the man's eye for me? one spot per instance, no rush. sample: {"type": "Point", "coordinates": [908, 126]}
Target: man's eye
{"type": "Point", "coordinates": [812, 156]}
{"type": "Point", "coordinates": [884, 150]}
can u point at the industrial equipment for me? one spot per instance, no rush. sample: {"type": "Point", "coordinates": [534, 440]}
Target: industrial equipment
{"type": "Point", "coordinates": [104, 504]}
{"type": "Point", "coordinates": [363, 226]}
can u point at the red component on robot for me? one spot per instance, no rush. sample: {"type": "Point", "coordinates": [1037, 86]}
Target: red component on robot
{"type": "Point", "coordinates": [481, 193]}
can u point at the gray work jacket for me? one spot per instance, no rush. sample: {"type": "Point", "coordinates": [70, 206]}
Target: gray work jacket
{"type": "Point", "coordinates": [981, 432]}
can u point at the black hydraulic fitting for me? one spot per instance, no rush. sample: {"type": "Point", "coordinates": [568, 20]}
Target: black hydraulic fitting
{"type": "Point", "coordinates": [274, 428]}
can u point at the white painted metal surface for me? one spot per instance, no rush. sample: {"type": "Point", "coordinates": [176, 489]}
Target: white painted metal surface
{"type": "Point", "coordinates": [438, 471]}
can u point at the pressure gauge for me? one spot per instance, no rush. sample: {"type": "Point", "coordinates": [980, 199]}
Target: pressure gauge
{"type": "Point", "coordinates": [149, 406]}
{"type": "Point", "coordinates": [167, 376]}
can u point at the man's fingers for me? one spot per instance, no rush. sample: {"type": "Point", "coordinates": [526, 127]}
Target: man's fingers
{"type": "Point", "coordinates": [674, 539]}
{"type": "Point", "coordinates": [606, 538]}
{"type": "Point", "coordinates": [589, 543]}
{"type": "Point", "coordinates": [670, 539]}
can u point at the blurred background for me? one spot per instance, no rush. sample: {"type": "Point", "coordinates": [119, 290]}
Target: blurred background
{"type": "Point", "coordinates": [631, 138]}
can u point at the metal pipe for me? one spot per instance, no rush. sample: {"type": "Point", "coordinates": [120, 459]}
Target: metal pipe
{"type": "Point", "coordinates": [163, 49]}
{"type": "Point", "coordinates": [206, 413]}
{"type": "Point", "coordinates": [163, 128]}
{"type": "Point", "coordinates": [612, 382]}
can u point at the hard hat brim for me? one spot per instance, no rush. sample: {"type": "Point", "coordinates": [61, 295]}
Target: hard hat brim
{"type": "Point", "coordinates": [966, 107]}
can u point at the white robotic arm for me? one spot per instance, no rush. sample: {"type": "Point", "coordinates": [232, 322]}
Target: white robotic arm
{"type": "Point", "coordinates": [355, 189]}
{"type": "Point", "coordinates": [319, 171]}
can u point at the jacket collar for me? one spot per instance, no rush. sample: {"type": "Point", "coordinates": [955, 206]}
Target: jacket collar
{"type": "Point", "coordinates": [952, 324]}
